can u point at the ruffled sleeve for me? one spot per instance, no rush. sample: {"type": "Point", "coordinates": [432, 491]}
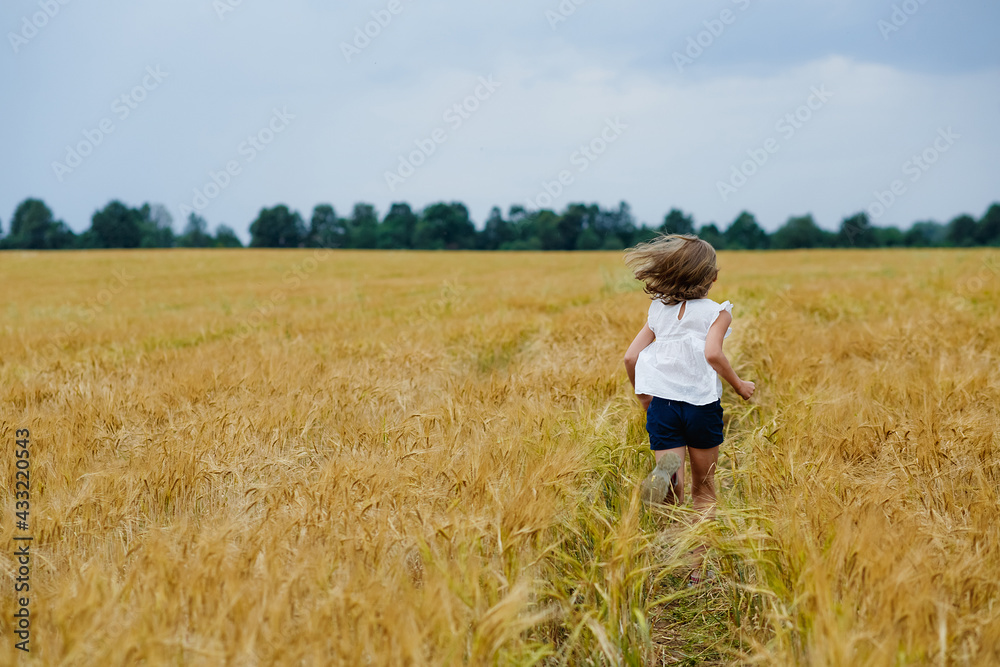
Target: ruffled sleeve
{"type": "Point", "coordinates": [724, 306]}
{"type": "Point", "coordinates": [653, 320]}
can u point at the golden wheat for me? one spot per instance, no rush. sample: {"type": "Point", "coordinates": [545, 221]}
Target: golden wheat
{"type": "Point", "coordinates": [288, 457]}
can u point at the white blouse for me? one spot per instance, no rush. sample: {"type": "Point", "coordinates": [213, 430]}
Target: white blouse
{"type": "Point", "coordinates": [674, 365]}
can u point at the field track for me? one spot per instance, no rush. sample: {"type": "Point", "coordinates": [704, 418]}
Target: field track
{"type": "Point", "coordinates": [294, 457]}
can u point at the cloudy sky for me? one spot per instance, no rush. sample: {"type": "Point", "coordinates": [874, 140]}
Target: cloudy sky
{"type": "Point", "coordinates": [779, 107]}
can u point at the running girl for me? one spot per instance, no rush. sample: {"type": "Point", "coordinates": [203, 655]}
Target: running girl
{"type": "Point", "coordinates": [675, 364]}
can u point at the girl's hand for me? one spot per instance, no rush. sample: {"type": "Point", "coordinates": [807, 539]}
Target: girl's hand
{"type": "Point", "coordinates": [645, 400]}
{"type": "Point", "coordinates": [745, 389]}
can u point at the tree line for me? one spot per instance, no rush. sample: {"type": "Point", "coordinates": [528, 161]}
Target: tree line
{"type": "Point", "coordinates": [448, 226]}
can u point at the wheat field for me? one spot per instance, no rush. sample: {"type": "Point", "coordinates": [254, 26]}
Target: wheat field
{"type": "Point", "coordinates": [374, 458]}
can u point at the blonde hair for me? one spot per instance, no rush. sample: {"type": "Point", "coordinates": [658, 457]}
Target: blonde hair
{"type": "Point", "coordinates": [675, 267]}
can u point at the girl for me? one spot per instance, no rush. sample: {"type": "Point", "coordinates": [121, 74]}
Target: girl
{"type": "Point", "coordinates": [675, 364]}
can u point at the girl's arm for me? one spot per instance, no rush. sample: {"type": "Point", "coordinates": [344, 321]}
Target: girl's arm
{"type": "Point", "coordinates": [641, 342]}
{"type": "Point", "coordinates": [717, 358]}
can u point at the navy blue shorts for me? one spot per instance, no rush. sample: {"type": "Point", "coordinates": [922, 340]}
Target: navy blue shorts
{"type": "Point", "coordinates": [673, 424]}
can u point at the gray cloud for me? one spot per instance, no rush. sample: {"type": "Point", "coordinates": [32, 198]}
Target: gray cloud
{"type": "Point", "coordinates": [687, 127]}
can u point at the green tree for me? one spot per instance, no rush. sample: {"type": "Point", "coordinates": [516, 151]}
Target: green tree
{"type": "Point", "coordinates": [988, 229]}
{"type": "Point", "coordinates": [362, 227]}
{"type": "Point", "coordinates": [712, 235]}
{"type": "Point", "coordinates": [444, 226]}
{"type": "Point", "coordinates": [497, 231]}
{"type": "Point", "coordinates": [801, 232]}
{"type": "Point", "coordinates": [547, 229]}
{"type": "Point", "coordinates": [277, 227]}
{"type": "Point", "coordinates": [117, 226]}
{"type": "Point", "coordinates": [643, 234]}
{"type": "Point", "coordinates": [397, 228]}
{"type": "Point", "coordinates": [925, 234]}
{"type": "Point", "coordinates": [196, 233]}
{"type": "Point", "coordinates": [430, 231]}
{"type": "Point", "coordinates": [616, 227]}
{"type": "Point", "coordinates": [745, 234]}
{"type": "Point", "coordinates": [856, 232]}
{"type": "Point", "coordinates": [516, 213]}
{"type": "Point", "coordinates": [530, 243]}
{"type": "Point", "coordinates": [326, 229]}
{"type": "Point", "coordinates": [962, 231]}
{"type": "Point", "coordinates": [225, 237]}
{"type": "Point", "coordinates": [525, 230]}
{"type": "Point", "coordinates": [675, 222]}
{"type": "Point", "coordinates": [888, 237]}
{"type": "Point", "coordinates": [88, 240]}
{"type": "Point", "coordinates": [156, 227]}
{"type": "Point", "coordinates": [588, 240]}
{"type": "Point", "coordinates": [572, 223]}
{"type": "Point", "coordinates": [613, 242]}
{"type": "Point", "coordinates": [33, 227]}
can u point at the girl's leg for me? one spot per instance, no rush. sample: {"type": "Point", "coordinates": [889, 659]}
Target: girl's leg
{"type": "Point", "coordinates": [675, 496]}
{"type": "Point", "coordinates": [703, 464]}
